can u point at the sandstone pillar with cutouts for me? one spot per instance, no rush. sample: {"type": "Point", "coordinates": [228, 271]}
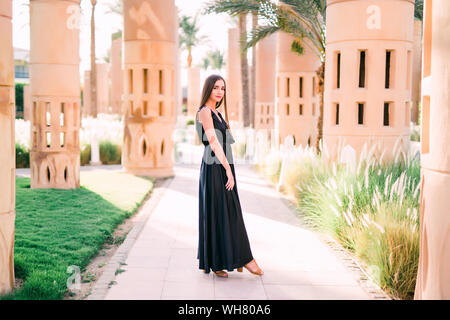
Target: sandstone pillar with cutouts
{"type": "Point", "coordinates": [26, 103]}
{"type": "Point", "coordinates": [265, 83]}
{"type": "Point", "coordinates": [297, 98]}
{"type": "Point", "coordinates": [8, 154]}
{"type": "Point", "coordinates": [233, 77]}
{"type": "Point", "coordinates": [433, 277]}
{"type": "Point", "coordinates": [102, 90]}
{"type": "Point", "coordinates": [193, 91]}
{"type": "Point", "coordinates": [368, 75]}
{"type": "Point", "coordinates": [149, 86]}
{"type": "Point", "coordinates": [116, 76]}
{"type": "Point", "coordinates": [416, 69]}
{"type": "Point", "coordinates": [55, 91]}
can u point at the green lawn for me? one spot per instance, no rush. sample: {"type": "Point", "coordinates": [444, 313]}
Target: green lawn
{"type": "Point", "coordinates": [58, 228]}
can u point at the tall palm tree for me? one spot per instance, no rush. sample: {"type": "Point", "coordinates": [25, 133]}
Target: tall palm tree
{"type": "Point", "coordinates": [244, 68]}
{"type": "Point", "coordinates": [303, 19]}
{"type": "Point", "coordinates": [206, 63]}
{"type": "Point", "coordinates": [115, 7]}
{"type": "Point", "coordinates": [189, 37]}
{"type": "Point", "coordinates": [93, 75]}
{"type": "Point", "coordinates": [253, 72]}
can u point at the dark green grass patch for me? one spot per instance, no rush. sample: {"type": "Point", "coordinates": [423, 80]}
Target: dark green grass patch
{"type": "Point", "coordinates": [58, 228]}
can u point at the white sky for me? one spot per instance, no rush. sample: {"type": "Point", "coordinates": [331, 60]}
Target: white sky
{"type": "Point", "coordinates": [214, 26]}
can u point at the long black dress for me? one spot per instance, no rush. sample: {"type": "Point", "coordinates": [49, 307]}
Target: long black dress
{"type": "Point", "coordinates": [223, 242]}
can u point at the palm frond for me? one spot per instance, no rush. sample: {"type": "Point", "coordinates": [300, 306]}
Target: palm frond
{"type": "Point", "coordinates": [257, 34]}
{"type": "Point", "coordinates": [232, 7]}
{"type": "Point", "coordinates": [297, 47]}
{"type": "Point", "coordinates": [303, 19]}
{"type": "Point", "coordinates": [418, 9]}
{"type": "Point", "coordinates": [189, 36]}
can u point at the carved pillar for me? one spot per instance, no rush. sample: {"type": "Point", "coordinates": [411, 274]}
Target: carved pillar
{"type": "Point", "coordinates": [265, 83]}
{"type": "Point", "coordinates": [233, 80]}
{"type": "Point", "coordinates": [297, 99]}
{"type": "Point", "coordinates": [433, 278]}
{"type": "Point", "coordinates": [178, 91]}
{"type": "Point", "coordinates": [416, 69]}
{"type": "Point", "coordinates": [149, 86]}
{"type": "Point", "coordinates": [26, 103]}
{"type": "Point", "coordinates": [7, 156]}
{"type": "Point", "coordinates": [87, 93]}
{"type": "Point", "coordinates": [193, 98]}
{"type": "Point", "coordinates": [102, 90]}
{"type": "Point", "coordinates": [116, 76]}
{"type": "Point", "coordinates": [55, 85]}
{"type": "Point", "coordinates": [368, 74]}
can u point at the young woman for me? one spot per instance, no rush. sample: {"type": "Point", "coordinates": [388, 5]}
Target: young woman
{"type": "Point", "coordinates": [223, 242]}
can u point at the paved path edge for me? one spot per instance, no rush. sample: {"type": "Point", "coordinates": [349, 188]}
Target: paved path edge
{"type": "Point", "coordinates": [118, 259]}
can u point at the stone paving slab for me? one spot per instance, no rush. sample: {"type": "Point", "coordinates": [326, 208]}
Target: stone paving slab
{"type": "Point", "coordinates": [162, 261]}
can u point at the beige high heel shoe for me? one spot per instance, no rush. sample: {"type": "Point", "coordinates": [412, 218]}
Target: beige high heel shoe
{"type": "Point", "coordinates": [220, 273]}
{"type": "Point", "coordinates": [258, 270]}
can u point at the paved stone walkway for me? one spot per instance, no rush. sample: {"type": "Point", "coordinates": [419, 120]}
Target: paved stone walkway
{"type": "Point", "coordinates": [162, 264]}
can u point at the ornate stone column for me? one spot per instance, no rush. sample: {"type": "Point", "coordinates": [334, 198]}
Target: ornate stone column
{"type": "Point", "coordinates": [55, 85]}
{"type": "Point", "coordinates": [193, 91]}
{"type": "Point", "coordinates": [116, 76]}
{"type": "Point", "coordinates": [297, 99]}
{"type": "Point", "coordinates": [102, 90]}
{"type": "Point", "coordinates": [27, 103]}
{"type": "Point", "coordinates": [86, 93]}
{"type": "Point", "coordinates": [416, 71]}
{"type": "Point", "coordinates": [149, 86]}
{"type": "Point", "coordinates": [234, 86]}
{"type": "Point", "coordinates": [178, 90]}
{"type": "Point", "coordinates": [265, 83]}
{"type": "Point", "coordinates": [102, 87]}
{"type": "Point", "coordinates": [8, 154]}
{"type": "Point", "coordinates": [433, 278]}
{"type": "Point", "coordinates": [368, 74]}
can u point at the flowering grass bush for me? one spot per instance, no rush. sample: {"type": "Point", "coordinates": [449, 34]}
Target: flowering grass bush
{"type": "Point", "coordinates": [106, 127]}
{"type": "Point", "coordinates": [415, 133]}
{"type": "Point", "coordinates": [270, 166]}
{"type": "Point", "coordinates": [22, 133]}
{"type": "Point", "coordinates": [371, 210]}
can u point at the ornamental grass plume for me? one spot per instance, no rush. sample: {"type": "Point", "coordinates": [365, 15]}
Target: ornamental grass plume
{"type": "Point", "coordinates": [371, 212]}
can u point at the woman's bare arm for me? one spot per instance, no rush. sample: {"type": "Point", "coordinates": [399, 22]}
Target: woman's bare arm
{"type": "Point", "coordinates": [205, 118]}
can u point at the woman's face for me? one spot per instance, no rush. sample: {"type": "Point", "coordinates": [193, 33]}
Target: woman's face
{"type": "Point", "coordinates": [218, 91]}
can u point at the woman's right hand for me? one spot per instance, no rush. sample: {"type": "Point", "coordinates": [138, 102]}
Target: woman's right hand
{"type": "Point", "coordinates": [230, 183]}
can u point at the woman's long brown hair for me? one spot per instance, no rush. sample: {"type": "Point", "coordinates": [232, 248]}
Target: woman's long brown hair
{"type": "Point", "coordinates": [206, 93]}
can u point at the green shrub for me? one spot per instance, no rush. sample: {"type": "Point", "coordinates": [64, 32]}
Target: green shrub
{"type": "Point", "coordinates": [85, 154]}
{"type": "Point", "coordinates": [110, 153]}
{"type": "Point", "coordinates": [19, 97]}
{"type": "Point", "coordinates": [22, 156]}
{"type": "Point", "coordinates": [190, 122]}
